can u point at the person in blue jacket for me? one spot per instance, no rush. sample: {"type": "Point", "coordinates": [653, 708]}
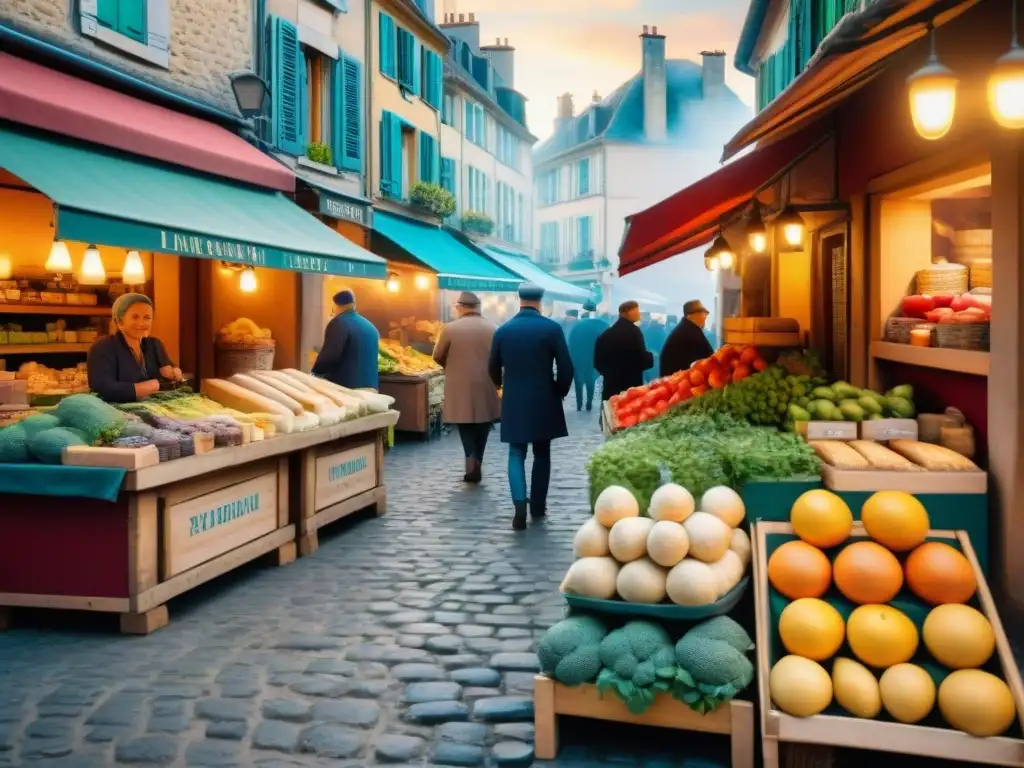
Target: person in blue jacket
{"type": "Point", "coordinates": [582, 341]}
{"type": "Point", "coordinates": [348, 356]}
{"type": "Point", "coordinates": [530, 359]}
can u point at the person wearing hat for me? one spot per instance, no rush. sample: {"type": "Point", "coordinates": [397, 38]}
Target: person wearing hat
{"type": "Point", "coordinates": [130, 365]}
{"type": "Point", "coordinates": [582, 341]}
{"type": "Point", "coordinates": [620, 355]}
{"type": "Point", "coordinates": [687, 343]}
{"type": "Point", "coordinates": [348, 356]}
{"type": "Point", "coordinates": [572, 316]}
{"type": "Point", "coordinates": [470, 397]}
{"type": "Point", "coordinates": [530, 358]}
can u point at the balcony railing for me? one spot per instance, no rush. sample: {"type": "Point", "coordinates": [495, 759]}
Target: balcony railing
{"type": "Point", "coordinates": [587, 260]}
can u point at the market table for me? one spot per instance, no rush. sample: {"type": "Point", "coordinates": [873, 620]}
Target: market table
{"type": "Point", "coordinates": [127, 541]}
{"type": "Point", "coordinates": [417, 398]}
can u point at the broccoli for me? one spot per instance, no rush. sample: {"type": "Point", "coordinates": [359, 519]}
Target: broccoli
{"type": "Point", "coordinates": [568, 651]}
{"type": "Point", "coordinates": [713, 667]}
{"type": "Point", "coordinates": [638, 662]}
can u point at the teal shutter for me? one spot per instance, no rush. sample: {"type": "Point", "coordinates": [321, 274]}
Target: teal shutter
{"type": "Point", "coordinates": [391, 155]}
{"type": "Point", "coordinates": [350, 154]}
{"type": "Point", "coordinates": [388, 60]}
{"type": "Point", "coordinates": [288, 73]}
{"type": "Point", "coordinates": [131, 19]}
{"type": "Point", "coordinates": [417, 68]}
{"type": "Point", "coordinates": [584, 236]}
{"type": "Point", "coordinates": [106, 13]}
{"type": "Point", "coordinates": [337, 138]}
{"type": "Point", "coordinates": [429, 157]}
{"type": "Point", "coordinates": [448, 174]}
{"type": "Point", "coordinates": [467, 128]}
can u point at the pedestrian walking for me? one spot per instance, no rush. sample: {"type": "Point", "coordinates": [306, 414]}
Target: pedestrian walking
{"type": "Point", "coordinates": [572, 316]}
{"type": "Point", "coordinates": [348, 356]}
{"type": "Point", "coordinates": [582, 342]}
{"type": "Point", "coordinates": [654, 339]}
{"type": "Point", "coordinates": [530, 359]}
{"type": "Point", "coordinates": [687, 343]}
{"type": "Point", "coordinates": [470, 397]}
{"type": "Point", "coordinates": [620, 355]}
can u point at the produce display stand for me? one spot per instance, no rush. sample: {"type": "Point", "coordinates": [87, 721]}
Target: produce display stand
{"type": "Point", "coordinates": [171, 527]}
{"type": "Point", "coordinates": [342, 475]}
{"type": "Point", "coordinates": [414, 397]}
{"type": "Point", "coordinates": [552, 699]}
{"type": "Point", "coordinates": [856, 733]}
{"type": "Point", "coordinates": [608, 421]}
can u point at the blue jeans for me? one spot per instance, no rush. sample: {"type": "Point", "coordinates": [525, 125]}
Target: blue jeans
{"type": "Point", "coordinates": [584, 381]}
{"type": "Point", "coordinates": [541, 475]}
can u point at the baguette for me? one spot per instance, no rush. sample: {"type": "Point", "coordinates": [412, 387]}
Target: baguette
{"type": "Point", "coordinates": [310, 401]}
{"type": "Point", "coordinates": [322, 387]}
{"type": "Point", "coordinates": [881, 457]}
{"type": "Point", "coordinates": [267, 391]}
{"type": "Point", "coordinates": [238, 398]}
{"type": "Point", "coordinates": [838, 454]}
{"type": "Point", "coordinates": [934, 458]}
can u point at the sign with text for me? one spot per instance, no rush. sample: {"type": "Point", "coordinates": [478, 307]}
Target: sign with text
{"type": "Point", "coordinates": [342, 475]}
{"type": "Point", "coordinates": [831, 430]}
{"type": "Point", "coordinates": [202, 528]}
{"type": "Point", "coordinates": [339, 208]}
{"type": "Point", "coordinates": [883, 430]}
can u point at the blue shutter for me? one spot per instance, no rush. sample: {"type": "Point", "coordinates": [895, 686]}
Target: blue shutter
{"type": "Point", "coordinates": [388, 60]}
{"type": "Point", "coordinates": [391, 155]}
{"type": "Point", "coordinates": [417, 69]}
{"type": "Point", "coordinates": [448, 174]}
{"type": "Point", "coordinates": [467, 127]}
{"type": "Point", "coordinates": [337, 138]}
{"type": "Point", "coordinates": [131, 19]}
{"type": "Point", "coordinates": [287, 77]}
{"type": "Point", "coordinates": [583, 236]}
{"type": "Point", "coordinates": [349, 156]}
{"type": "Point", "coordinates": [425, 139]}
{"type": "Point", "coordinates": [106, 13]}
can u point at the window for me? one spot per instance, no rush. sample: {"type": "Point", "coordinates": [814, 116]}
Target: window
{"type": "Point", "coordinates": [448, 175]}
{"type": "Point", "coordinates": [520, 215]}
{"type": "Point", "coordinates": [507, 212]}
{"type": "Point", "coordinates": [584, 250]}
{"type": "Point", "coordinates": [475, 127]}
{"type": "Point", "coordinates": [508, 147]}
{"type": "Point", "coordinates": [408, 158]}
{"type": "Point", "coordinates": [140, 28]}
{"type": "Point", "coordinates": [548, 187]}
{"type": "Point", "coordinates": [388, 51]}
{"type": "Point", "coordinates": [433, 73]}
{"type": "Point", "coordinates": [448, 109]}
{"type": "Point", "coordinates": [430, 167]}
{"type": "Point", "coordinates": [392, 155]}
{"type": "Point", "coordinates": [408, 61]}
{"type": "Point", "coordinates": [318, 102]}
{"type": "Point", "coordinates": [583, 177]}
{"type": "Point", "coordinates": [549, 242]}
{"type": "Point", "coordinates": [126, 17]}
{"type": "Point", "coordinates": [478, 183]}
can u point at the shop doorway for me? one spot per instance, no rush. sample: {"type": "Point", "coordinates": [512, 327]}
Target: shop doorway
{"type": "Point", "coordinates": [830, 283]}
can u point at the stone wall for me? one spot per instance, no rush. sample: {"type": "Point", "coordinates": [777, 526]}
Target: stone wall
{"type": "Point", "coordinates": [209, 39]}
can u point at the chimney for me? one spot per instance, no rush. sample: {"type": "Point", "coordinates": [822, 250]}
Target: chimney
{"type": "Point", "coordinates": [655, 90]}
{"type": "Point", "coordinates": [502, 58]}
{"type": "Point", "coordinates": [566, 111]}
{"type": "Point", "coordinates": [466, 31]}
{"type": "Point", "coordinates": [595, 98]}
{"type": "Point", "coordinates": [712, 74]}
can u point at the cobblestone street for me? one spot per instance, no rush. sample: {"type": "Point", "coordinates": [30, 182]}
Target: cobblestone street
{"type": "Point", "coordinates": [405, 638]}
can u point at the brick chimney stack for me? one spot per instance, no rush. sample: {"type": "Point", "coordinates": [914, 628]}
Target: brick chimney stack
{"type": "Point", "coordinates": [712, 74]}
{"type": "Point", "coordinates": [654, 85]}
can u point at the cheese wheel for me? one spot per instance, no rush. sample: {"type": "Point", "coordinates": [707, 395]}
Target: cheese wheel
{"type": "Point", "coordinates": [309, 400]}
{"type": "Point", "coordinates": [241, 399]}
{"type": "Point", "coordinates": [267, 391]}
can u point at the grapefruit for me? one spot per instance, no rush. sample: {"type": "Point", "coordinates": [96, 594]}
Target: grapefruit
{"type": "Point", "coordinates": [895, 519]}
{"type": "Point", "coordinates": [908, 692]}
{"type": "Point", "coordinates": [796, 569]}
{"type": "Point", "coordinates": [811, 628]}
{"type": "Point", "coordinates": [881, 636]}
{"type": "Point", "coordinates": [799, 686]}
{"type": "Point", "coordinates": [866, 572]}
{"type": "Point", "coordinates": [976, 702]}
{"type": "Point", "coordinates": [938, 573]}
{"type": "Point", "coordinates": [821, 518]}
{"type": "Point", "coordinates": [958, 636]}
{"type": "Point", "coordinates": [855, 688]}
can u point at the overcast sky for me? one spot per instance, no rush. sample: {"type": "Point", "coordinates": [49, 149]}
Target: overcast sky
{"type": "Point", "coordinates": [579, 46]}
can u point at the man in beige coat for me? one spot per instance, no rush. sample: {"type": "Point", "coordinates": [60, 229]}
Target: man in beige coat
{"type": "Point", "coordinates": [470, 397]}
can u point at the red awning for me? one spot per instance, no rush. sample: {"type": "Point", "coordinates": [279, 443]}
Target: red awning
{"type": "Point", "coordinates": [691, 217]}
{"type": "Point", "coordinates": [44, 98]}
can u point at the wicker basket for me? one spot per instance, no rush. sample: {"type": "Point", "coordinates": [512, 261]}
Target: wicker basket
{"type": "Point", "coordinates": [897, 329]}
{"type": "Point", "coordinates": [981, 274]}
{"type": "Point", "coordinates": [230, 359]}
{"type": "Point", "coordinates": [945, 279]}
{"type": "Point", "coordinates": [969, 336]}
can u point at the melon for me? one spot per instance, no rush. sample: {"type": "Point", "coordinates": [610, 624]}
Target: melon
{"type": "Point", "coordinates": [641, 581]}
{"type": "Point", "coordinates": [671, 502]}
{"type": "Point", "coordinates": [855, 688]}
{"type": "Point", "coordinates": [725, 504]}
{"type": "Point", "coordinates": [667, 543]}
{"type": "Point", "coordinates": [976, 702]}
{"type": "Point", "coordinates": [709, 537]}
{"type": "Point", "coordinates": [728, 571]}
{"type": "Point", "coordinates": [613, 504]}
{"type": "Point", "coordinates": [692, 582]}
{"type": "Point", "coordinates": [627, 539]}
{"type": "Point", "coordinates": [740, 544]}
{"type": "Point", "coordinates": [799, 686]}
{"type": "Point", "coordinates": [591, 577]}
{"type": "Point", "coordinates": [591, 540]}
{"type": "Point", "coordinates": [908, 693]}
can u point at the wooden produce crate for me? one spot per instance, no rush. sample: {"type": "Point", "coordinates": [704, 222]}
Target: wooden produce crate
{"type": "Point", "coordinates": [413, 399]}
{"type": "Point", "coordinates": [925, 481]}
{"type": "Point", "coordinates": [836, 731]}
{"type": "Point", "coordinates": [552, 699]}
{"type": "Point", "coordinates": [609, 425]}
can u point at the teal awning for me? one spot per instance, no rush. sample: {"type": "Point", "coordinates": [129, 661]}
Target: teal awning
{"type": "Point", "coordinates": [458, 267]}
{"type": "Point", "coordinates": [554, 287]}
{"type": "Point", "coordinates": [110, 198]}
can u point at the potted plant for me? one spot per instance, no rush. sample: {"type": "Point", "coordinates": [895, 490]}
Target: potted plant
{"type": "Point", "coordinates": [477, 223]}
{"type": "Point", "coordinates": [319, 153]}
{"type": "Point", "coordinates": [433, 199]}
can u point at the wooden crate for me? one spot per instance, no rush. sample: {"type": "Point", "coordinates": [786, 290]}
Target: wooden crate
{"type": "Point", "coordinates": [551, 699]}
{"type": "Point", "coordinates": [608, 425]}
{"type": "Point", "coordinates": [855, 733]}
{"type": "Point", "coordinates": [910, 482]}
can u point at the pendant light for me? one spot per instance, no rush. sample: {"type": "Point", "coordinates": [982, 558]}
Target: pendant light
{"type": "Point", "coordinates": [722, 253]}
{"type": "Point", "coordinates": [792, 224]}
{"type": "Point", "coordinates": [711, 262]}
{"type": "Point", "coordinates": [932, 92]}
{"type": "Point", "coordinates": [1006, 83]}
{"type": "Point", "coordinates": [422, 282]}
{"type": "Point", "coordinates": [247, 281]}
{"type": "Point", "coordinates": [6, 267]}
{"type": "Point", "coordinates": [92, 271]}
{"type": "Point", "coordinates": [133, 272]}
{"type": "Point", "coordinates": [392, 283]}
{"type": "Point", "coordinates": [757, 234]}
{"type": "Point", "coordinates": [59, 260]}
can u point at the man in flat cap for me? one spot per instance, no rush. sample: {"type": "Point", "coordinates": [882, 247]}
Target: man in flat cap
{"type": "Point", "coordinates": [348, 356]}
{"type": "Point", "coordinates": [572, 316]}
{"type": "Point", "coordinates": [687, 343]}
{"type": "Point", "coordinates": [582, 341]}
{"type": "Point", "coordinates": [620, 355]}
{"type": "Point", "coordinates": [530, 357]}
{"type": "Point", "coordinates": [470, 397]}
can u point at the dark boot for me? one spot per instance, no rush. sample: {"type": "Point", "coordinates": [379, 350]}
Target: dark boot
{"type": "Point", "coordinates": [466, 478]}
{"type": "Point", "coordinates": [475, 475]}
{"type": "Point", "coordinates": [519, 521]}
{"type": "Point", "coordinates": [538, 511]}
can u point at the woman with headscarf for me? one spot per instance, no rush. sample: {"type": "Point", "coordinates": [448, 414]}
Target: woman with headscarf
{"type": "Point", "coordinates": [130, 365]}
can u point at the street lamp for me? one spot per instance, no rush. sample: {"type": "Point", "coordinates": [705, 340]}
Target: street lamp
{"type": "Point", "coordinates": [251, 93]}
{"type": "Point", "coordinates": [932, 97]}
{"type": "Point", "coordinates": [756, 233]}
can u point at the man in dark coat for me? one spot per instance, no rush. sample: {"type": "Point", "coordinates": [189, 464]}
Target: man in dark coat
{"type": "Point", "coordinates": [687, 343]}
{"type": "Point", "coordinates": [620, 355]}
{"type": "Point", "coordinates": [348, 356]}
{"type": "Point", "coordinates": [582, 342]}
{"type": "Point", "coordinates": [530, 358]}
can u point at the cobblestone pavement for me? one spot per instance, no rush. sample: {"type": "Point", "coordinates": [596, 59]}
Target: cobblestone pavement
{"type": "Point", "coordinates": [405, 638]}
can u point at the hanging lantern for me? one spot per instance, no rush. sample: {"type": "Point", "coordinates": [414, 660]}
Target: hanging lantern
{"type": "Point", "coordinates": [392, 283]}
{"type": "Point", "coordinates": [247, 281]}
{"type": "Point", "coordinates": [1006, 83]}
{"type": "Point", "coordinates": [422, 282]}
{"type": "Point", "coordinates": [133, 273]}
{"type": "Point", "coordinates": [932, 92]}
{"type": "Point", "coordinates": [59, 260]}
{"type": "Point", "coordinates": [792, 225]}
{"type": "Point", "coordinates": [92, 271]}
{"type": "Point", "coordinates": [757, 234]}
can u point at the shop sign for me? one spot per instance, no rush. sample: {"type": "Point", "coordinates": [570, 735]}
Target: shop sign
{"type": "Point", "coordinates": [342, 475]}
{"type": "Point", "coordinates": [347, 210]}
{"type": "Point", "coordinates": [202, 528]}
{"type": "Point", "coordinates": [831, 430]}
{"type": "Point", "coordinates": [483, 284]}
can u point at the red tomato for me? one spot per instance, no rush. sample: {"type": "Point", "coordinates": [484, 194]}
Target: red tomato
{"type": "Point", "coordinates": [717, 380]}
{"type": "Point", "coordinates": [726, 354]}
{"type": "Point", "coordinates": [741, 372]}
{"type": "Point", "coordinates": [676, 398]}
{"type": "Point", "coordinates": [627, 421]}
{"type": "Point", "coordinates": [943, 300]}
{"type": "Point", "coordinates": [702, 366]}
{"type": "Point", "coordinates": [631, 408]}
{"type": "Point", "coordinates": [917, 306]}
{"type": "Point", "coordinates": [735, 363]}
{"type": "Point", "coordinates": [759, 364]}
{"type": "Point", "coordinates": [647, 414]}
{"type": "Point", "coordinates": [696, 376]}
{"type": "Point", "coordinates": [698, 390]}
{"type": "Point", "coordinates": [748, 354]}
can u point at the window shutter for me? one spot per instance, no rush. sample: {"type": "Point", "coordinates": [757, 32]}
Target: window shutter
{"type": "Point", "coordinates": [390, 155]}
{"type": "Point", "coordinates": [448, 174]}
{"type": "Point", "coordinates": [131, 19]}
{"type": "Point", "coordinates": [417, 69]}
{"type": "Point", "coordinates": [388, 62]}
{"type": "Point", "coordinates": [106, 13]}
{"type": "Point", "coordinates": [349, 155]}
{"type": "Point", "coordinates": [287, 76]}
{"type": "Point", "coordinates": [469, 121]}
{"type": "Point", "coordinates": [338, 111]}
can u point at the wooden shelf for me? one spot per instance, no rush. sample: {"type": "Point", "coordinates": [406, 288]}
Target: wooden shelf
{"type": "Point", "coordinates": [54, 309]}
{"type": "Point", "coordinates": [958, 360]}
{"type": "Point", "coordinates": [43, 349]}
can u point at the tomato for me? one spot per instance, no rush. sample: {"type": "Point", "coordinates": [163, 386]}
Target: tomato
{"type": "Point", "coordinates": [647, 414]}
{"type": "Point", "coordinates": [726, 354]}
{"type": "Point", "coordinates": [676, 398]}
{"type": "Point", "coordinates": [917, 306]}
{"type": "Point", "coordinates": [701, 366]}
{"type": "Point", "coordinates": [943, 300]}
{"type": "Point", "coordinates": [717, 380]}
{"type": "Point", "coordinates": [741, 372]}
{"type": "Point", "coordinates": [698, 390]}
{"type": "Point", "coordinates": [735, 363]}
{"type": "Point", "coordinates": [627, 421]}
{"type": "Point", "coordinates": [748, 355]}
{"type": "Point", "coordinates": [696, 376]}
{"type": "Point", "coordinates": [631, 408]}
{"type": "Point", "coordinates": [759, 364]}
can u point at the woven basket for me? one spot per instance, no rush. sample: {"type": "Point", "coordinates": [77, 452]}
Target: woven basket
{"type": "Point", "coordinates": [981, 274]}
{"type": "Point", "coordinates": [944, 280]}
{"type": "Point", "coordinates": [230, 359]}
{"type": "Point", "coordinates": [969, 336]}
{"type": "Point", "coordinates": [897, 329]}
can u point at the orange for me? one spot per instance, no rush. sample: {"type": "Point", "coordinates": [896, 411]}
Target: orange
{"type": "Point", "coordinates": [896, 520]}
{"type": "Point", "coordinates": [821, 518]}
{"type": "Point", "coordinates": [796, 569]}
{"type": "Point", "coordinates": [811, 628]}
{"type": "Point", "coordinates": [866, 572]}
{"type": "Point", "coordinates": [938, 573]}
{"type": "Point", "coordinates": [881, 636]}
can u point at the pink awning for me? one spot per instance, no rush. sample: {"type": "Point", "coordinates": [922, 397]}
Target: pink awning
{"type": "Point", "coordinates": [44, 98]}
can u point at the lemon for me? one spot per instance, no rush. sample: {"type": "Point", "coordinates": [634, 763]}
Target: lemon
{"type": "Point", "coordinates": [976, 702]}
{"type": "Point", "coordinates": [799, 686]}
{"type": "Point", "coordinates": [958, 636]}
{"type": "Point", "coordinates": [811, 628]}
{"type": "Point", "coordinates": [908, 692]}
{"type": "Point", "coordinates": [855, 688]}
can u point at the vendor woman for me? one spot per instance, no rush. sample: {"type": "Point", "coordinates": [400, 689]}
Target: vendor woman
{"type": "Point", "coordinates": [130, 365]}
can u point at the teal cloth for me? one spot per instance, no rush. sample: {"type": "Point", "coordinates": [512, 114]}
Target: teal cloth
{"type": "Point", "coordinates": [103, 483]}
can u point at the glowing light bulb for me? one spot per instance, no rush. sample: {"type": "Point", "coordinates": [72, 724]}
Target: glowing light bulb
{"type": "Point", "coordinates": [247, 281]}
{"type": "Point", "coordinates": [794, 233]}
{"type": "Point", "coordinates": [392, 285]}
{"type": "Point", "coordinates": [932, 91]}
{"type": "Point", "coordinates": [758, 242]}
{"type": "Point", "coordinates": [59, 260]}
{"type": "Point", "coordinates": [92, 271]}
{"type": "Point", "coordinates": [133, 272]}
{"type": "Point", "coordinates": [1006, 89]}
{"type": "Point", "coordinates": [714, 264]}
{"type": "Point", "coordinates": [726, 259]}
{"type": "Point", "coordinates": [422, 282]}
{"type": "Point", "coordinates": [6, 267]}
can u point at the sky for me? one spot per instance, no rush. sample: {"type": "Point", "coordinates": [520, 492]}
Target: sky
{"type": "Point", "coordinates": [579, 46]}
